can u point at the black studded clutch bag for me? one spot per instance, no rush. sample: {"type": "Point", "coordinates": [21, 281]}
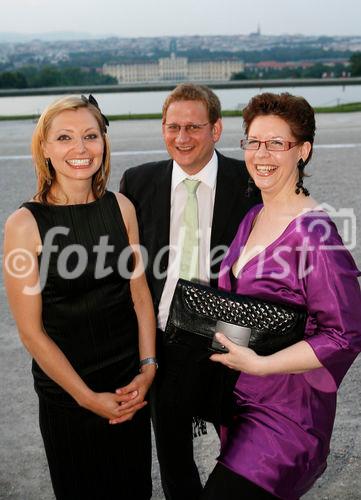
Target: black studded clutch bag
{"type": "Point", "coordinates": [192, 382]}
{"type": "Point", "coordinates": [198, 310]}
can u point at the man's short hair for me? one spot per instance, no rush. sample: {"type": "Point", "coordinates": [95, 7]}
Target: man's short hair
{"type": "Point", "coordinates": [192, 92]}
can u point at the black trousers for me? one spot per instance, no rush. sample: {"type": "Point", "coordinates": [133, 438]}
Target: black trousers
{"type": "Point", "coordinates": [173, 431]}
{"type": "Point", "coordinates": [224, 484]}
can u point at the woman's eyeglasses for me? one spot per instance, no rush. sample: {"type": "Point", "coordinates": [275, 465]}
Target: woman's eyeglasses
{"type": "Point", "coordinates": [271, 145]}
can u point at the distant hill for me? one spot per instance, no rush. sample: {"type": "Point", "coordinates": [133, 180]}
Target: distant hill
{"type": "Point", "coordinates": [10, 37]}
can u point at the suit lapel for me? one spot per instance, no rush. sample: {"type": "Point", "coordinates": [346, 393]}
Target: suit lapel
{"type": "Point", "coordinates": [227, 190]}
{"type": "Point", "coordinates": [161, 205]}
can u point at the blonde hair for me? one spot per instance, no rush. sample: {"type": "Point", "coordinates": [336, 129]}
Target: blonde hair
{"type": "Point", "coordinates": [193, 92]}
{"type": "Point", "coordinates": [44, 170]}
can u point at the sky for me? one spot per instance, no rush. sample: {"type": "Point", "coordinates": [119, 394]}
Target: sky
{"type": "Point", "coordinates": [133, 18]}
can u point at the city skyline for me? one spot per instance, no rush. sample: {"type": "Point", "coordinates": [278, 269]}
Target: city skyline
{"type": "Point", "coordinates": [161, 18]}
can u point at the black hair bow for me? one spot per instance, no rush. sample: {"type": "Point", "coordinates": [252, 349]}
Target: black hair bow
{"type": "Point", "coordinates": [91, 100]}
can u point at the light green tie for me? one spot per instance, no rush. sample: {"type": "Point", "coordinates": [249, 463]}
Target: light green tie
{"type": "Point", "coordinates": [190, 250]}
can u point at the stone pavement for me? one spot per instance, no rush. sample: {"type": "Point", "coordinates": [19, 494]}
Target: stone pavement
{"type": "Point", "coordinates": [335, 171]}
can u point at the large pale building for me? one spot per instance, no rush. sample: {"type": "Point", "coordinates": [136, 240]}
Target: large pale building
{"type": "Point", "coordinates": [173, 68]}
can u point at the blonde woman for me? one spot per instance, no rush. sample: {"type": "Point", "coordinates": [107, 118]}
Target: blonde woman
{"type": "Point", "coordinates": [83, 314]}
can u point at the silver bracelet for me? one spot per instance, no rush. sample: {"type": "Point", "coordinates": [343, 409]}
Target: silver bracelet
{"type": "Point", "coordinates": [148, 361]}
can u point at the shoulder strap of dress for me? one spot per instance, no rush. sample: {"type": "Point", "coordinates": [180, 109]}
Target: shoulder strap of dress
{"type": "Point", "coordinates": [33, 207]}
{"type": "Point", "coordinates": [111, 203]}
{"type": "Point", "coordinates": [37, 210]}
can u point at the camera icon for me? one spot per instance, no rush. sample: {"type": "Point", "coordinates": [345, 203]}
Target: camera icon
{"type": "Point", "coordinates": [345, 221]}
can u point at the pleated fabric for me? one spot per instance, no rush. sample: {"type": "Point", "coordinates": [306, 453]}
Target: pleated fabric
{"type": "Point", "coordinates": [85, 267]}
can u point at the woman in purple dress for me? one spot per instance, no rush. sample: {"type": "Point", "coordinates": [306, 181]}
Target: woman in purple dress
{"type": "Point", "coordinates": [286, 250]}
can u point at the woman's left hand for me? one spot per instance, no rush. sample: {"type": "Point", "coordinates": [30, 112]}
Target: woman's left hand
{"type": "Point", "coordinates": [140, 385]}
{"type": "Point", "coordinates": [239, 358]}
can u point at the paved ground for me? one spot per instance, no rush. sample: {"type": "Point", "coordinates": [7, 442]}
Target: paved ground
{"type": "Point", "coordinates": [335, 177]}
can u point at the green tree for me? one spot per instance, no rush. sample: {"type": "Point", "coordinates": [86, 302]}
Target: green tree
{"type": "Point", "coordinates": [315, 71]}
{"type": "Point", "coordinates": [239, 76]}
{"type": "Point", "coordinates": [48, 77]}
{"type": "Point", "coordinates": [13, 80]}
{"type": "Point", "coordinates": [355, 61]}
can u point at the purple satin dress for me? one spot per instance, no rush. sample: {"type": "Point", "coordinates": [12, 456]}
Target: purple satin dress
{"type": "Point", "coordinates": [280, 437]}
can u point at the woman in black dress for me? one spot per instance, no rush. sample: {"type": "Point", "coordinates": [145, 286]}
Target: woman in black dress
{"type": "Point", "coordinates": [83, 310]}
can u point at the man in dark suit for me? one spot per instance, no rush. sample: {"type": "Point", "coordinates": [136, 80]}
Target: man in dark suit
{"type": "Point", "coordinates": [191, 127]}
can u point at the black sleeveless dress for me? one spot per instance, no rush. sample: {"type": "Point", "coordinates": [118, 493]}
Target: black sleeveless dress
{"type": "Point", "coordinates": [87, 310]}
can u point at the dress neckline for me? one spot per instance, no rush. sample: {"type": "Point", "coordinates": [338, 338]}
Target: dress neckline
{"type": "Point", "coordinates": [70, 205]}
{"type": "Point", "coordinates": [273, 243]}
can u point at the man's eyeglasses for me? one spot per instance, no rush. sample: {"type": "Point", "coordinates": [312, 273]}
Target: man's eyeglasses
{"type": "Point", "coordinates": [191, 128]}
{"type": "Point", "coordinates": [271, 145]}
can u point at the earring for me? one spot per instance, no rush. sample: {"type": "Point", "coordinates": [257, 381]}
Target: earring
{"type": "Point", "coordinates": [250, 187]}
{"type": "Point", "coordinates": [299, 185]}
{"type": "Point", "coordinates": [103, 170]}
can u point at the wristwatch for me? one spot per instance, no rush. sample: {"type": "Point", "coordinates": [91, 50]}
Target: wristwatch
{"type": "Point", "coordinates": [148, 361]}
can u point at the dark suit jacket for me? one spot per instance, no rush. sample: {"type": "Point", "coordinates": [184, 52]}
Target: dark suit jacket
{"type": "Point", "coordinates": [148, 186]}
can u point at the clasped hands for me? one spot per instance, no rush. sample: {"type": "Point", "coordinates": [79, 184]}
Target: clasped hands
{"type": "Point", "coordinates": [120, 406]}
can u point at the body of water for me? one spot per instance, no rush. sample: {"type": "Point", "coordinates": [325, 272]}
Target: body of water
{"type": "Point", "coordinates": [151, 102]}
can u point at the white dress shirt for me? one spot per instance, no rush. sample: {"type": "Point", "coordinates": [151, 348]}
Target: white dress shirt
{"type": "Point", "coordinates": [205, 198]}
